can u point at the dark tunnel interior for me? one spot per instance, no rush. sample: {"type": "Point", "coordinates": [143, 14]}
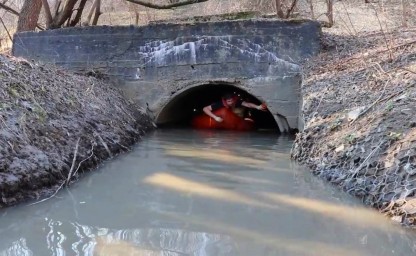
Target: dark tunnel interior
{"type": "Point", "coordinates": [184, 106]}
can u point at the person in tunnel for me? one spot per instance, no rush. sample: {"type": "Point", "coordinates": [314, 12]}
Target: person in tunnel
{"type": "Point", "coordinates": [232, 102]}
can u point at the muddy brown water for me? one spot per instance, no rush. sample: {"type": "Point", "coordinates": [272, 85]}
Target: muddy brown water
{"type": "Point", "coordinates": [182, 192]}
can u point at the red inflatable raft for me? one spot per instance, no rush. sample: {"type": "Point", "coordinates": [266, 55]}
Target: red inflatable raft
{"type": "Point", "coordinates": [230, 121]}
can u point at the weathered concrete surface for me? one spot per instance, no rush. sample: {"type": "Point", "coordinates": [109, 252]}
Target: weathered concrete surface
{"type": "Point", "coordinates": [153, 64]}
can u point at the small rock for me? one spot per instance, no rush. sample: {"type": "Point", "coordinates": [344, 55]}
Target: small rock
{"type": "Point", "coordinates": [408, 169]}
{"type": "Point", "coordinates": [401, 97]}
{"type": "Point", "coordinates": [406, 111]}
{"type": "Point", "coordinates": [397, 219]}
{"type": "Point", "coordinates": [340, 148]}
{"type": "Point", "coordinates": [410, 206]}
{"type": "Point", "coordinates": [354, 114]}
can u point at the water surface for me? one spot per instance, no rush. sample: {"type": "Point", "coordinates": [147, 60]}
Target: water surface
{"type": "Point", "coordinates": [183, 192]}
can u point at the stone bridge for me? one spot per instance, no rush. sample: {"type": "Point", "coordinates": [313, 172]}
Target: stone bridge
{"type": "Point", "coordinates": [172, 70]}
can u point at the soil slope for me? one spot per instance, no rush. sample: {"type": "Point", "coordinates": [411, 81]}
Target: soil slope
{"type": "Point", "coordinates": [359, 108]}
{"type": "Point", "coordinates": [55, 124]}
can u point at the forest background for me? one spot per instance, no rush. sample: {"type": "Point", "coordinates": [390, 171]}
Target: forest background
{"type": "Point", "coordinates": [343, 16]}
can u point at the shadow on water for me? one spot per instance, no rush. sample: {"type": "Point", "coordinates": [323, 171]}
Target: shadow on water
{"type": "Point", "coordinates": [189, 192]}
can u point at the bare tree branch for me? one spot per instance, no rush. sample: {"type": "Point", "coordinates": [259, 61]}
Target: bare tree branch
{"type": "Point", "coordinates": [290, 10]}
{"type": "Point", "coordinates": [91, 12]}
{"type": "Point", "coordinates": [165, 6]}
{"type": "Point", "coordinates": [64, 14]}
{"type": "Point", "coordinates": [57, 6]}
{"type": "Point", "coordinates": [311, 7]}
{"type": "Point", "coordinates": [9, 9]}
{"type": "Point", "coordinates": [4, 25]}
{"type": "Point", "coordinates": [279, 10]}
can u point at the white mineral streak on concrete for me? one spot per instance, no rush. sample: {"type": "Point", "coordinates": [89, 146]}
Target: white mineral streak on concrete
{"type": "Point", "coordinates": [193, 52]}
{"type": "Point", "coordinates": [159, 52]}
{"type": "Point", "coordinates": [268, 78]}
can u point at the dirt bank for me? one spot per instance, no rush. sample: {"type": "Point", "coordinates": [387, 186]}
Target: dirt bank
{"type": "Point", "coordinates": [53, 122]}
{"type": "Point", "coordinates": [359, 107]}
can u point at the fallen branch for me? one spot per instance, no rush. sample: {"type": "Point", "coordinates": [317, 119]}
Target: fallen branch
{"type": "Point", "coordinates": [54, 194]}
{"type": "Point", "coordinates": [408, 70]}
{"type": "Point", "coordinates": [79, 165]}
{"type": "Point", "coordinates": [366, 159]}
{"type": "Point", "coordinates": [165, 6]}
{"type": "Point", "coordinates": [374, 103]}
{"type": "Point", "coordinates": [69, 175]}
{"type": "Point", "coordinates": [384, 99]}
{"type": "Point", "coordinates": [104, 144]}
{"type": "Point", "coordinates": [73, 162]}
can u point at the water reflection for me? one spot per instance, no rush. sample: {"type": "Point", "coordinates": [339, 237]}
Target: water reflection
{"type": "Point", "coordinates": [104, 241]}
{"type": "Point", "coordinates": [17, 248]}
{"type": "Point", "coordinates": [198, 189]}
{"type": "Point", "coordinates": [197, 193]}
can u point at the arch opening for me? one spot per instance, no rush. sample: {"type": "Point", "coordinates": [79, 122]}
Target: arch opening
{"type": "Point", "coordinates": [180, 110]}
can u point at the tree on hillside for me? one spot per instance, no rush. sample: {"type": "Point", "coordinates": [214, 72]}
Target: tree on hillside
{"type": "Point", "coordinates": [279, 10]}
{"type": "Point", "coordinates": [29, 14]}
{"type": "Point", "coordinates": [330, 12]}
{"type": "Point", "coordinates": [284, 10]}
{"type": "Point", "coordinates": [69, 13]}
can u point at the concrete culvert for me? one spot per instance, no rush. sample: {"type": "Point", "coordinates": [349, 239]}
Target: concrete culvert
{"type": "Point", "coordinates": [180, 110]}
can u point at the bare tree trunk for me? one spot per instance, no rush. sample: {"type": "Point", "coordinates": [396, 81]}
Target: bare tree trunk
{"type": "Point", "coordinates": [136, 16]}
{"type": "Point", "coordinates": [404, 13]}
{"type": "Point", "coordinates": [48, 13]}
{"type": "Point", "coordinates": [311, 8]}
{"type": "Point", "coordinates": [57, 6]}
{"type": "Point", "coordinates": [97, 13]}
{"type": "Point", "coordinates": [77, 18]}
{"type": "Point", "coordinates": [90, 13]}
{"type": "Point", "coordinates": [28, 18]}
{"type": "Point", "coordinates": [279, 10]}
{"type": "Point", "coordinates": [291, 9]}
{"type": "Point", "coordinates": [330, 12]}
{"type": "Point", "coordinates": [134, 9]}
